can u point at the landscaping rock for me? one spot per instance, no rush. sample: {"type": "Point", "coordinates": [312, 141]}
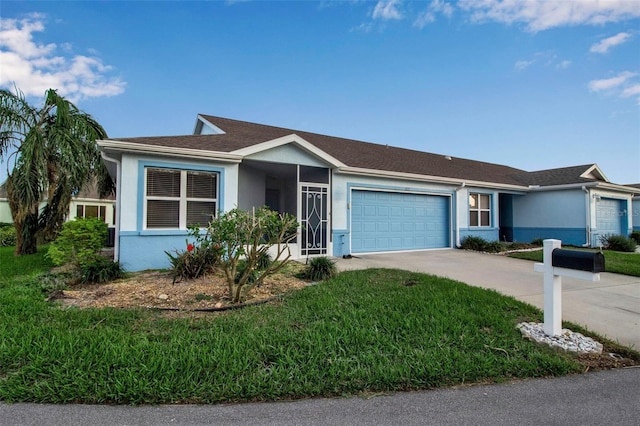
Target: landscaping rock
{"type": "Point", "coordinates": [566, 340]}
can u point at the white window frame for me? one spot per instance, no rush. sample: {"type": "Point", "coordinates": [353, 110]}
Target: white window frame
{"type": "Point", "coordinates": [183, 200]}
{"type": "Point", "coordinates": [478, 210]}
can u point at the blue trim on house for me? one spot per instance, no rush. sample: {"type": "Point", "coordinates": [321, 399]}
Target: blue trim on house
{"type": "Point", "coordinates": [568, 236]}
{"type": "Point", "coordinates": [486, 233]}
{"type": "Point", "coordinates": [177, 166]}
{"type": "Point", "coordinates": [340, 238]}
{"type": "Point", "coordinates": [139, 253]}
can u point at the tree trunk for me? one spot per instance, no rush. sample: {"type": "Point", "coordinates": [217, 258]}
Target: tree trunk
{"type": "Point", "coordinates": [26, 234]}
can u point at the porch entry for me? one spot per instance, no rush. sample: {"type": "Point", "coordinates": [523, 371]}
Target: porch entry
{"type": "Point", "coordinates": [314, 219]}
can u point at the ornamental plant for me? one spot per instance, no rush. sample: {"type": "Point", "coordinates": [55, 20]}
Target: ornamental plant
{"type": "Point", "coordinates": [79, 242]}
{"type": "Point", "coordinates": [199, 258]}
{"type": "Point", "coordinates": [244, 239]}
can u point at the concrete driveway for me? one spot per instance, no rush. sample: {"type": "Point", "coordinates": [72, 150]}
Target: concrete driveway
{"type": "Point", "coordinates": [610, 307]}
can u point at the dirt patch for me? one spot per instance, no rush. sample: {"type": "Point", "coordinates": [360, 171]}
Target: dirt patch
{"type": "Point", "coordinates": [157, 290]}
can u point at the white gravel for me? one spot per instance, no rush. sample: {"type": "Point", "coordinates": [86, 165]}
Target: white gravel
{"type": "Point", "coordinates": [567, 339]}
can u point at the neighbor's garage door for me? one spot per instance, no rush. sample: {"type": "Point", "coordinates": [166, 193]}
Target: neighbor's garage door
{"type": "Point", "coordinates": [387, 221]}
{"type": "Point", "coordinates": [609, 216]}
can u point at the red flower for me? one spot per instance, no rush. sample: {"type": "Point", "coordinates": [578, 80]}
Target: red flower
{"type": "Point", "coordinates": [190, 247]}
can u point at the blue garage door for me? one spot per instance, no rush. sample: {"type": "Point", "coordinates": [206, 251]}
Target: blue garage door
{"type": "Point", "coordinates": [387, 221]}
{"type": "Point", "coordinates": [610, 218]}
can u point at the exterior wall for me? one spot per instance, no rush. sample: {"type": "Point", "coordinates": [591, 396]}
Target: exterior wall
{"type": "Point", "coordinates": [5, 211]}
{"type": "Point", "coordinates": [140, 248]}
{"type": "Point", "coordinates": [107, 204]}
{"type": "Point", "coordinates": [489, 233]}
{"type": "Point", "coordinates": [341, 187]}
{"type": "Point", "coordinates": [635, 214]}
{"type": "Point", "coordinates": [552, 214]}
{"type": "Point", "coordinates": [251, 184]}
{"type": "Point", "coordinates": [288, 154]}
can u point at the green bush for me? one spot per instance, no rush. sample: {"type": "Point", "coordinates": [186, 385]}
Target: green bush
{"type": "Point", "coordinates": [494, 247]}
{"type": "Point", "coordinates": [198, 259]}
{"type": "Point", "coordinates": [538, 242]}
{"type": "Point", "coordinates": [7, 235]}
{"type": "Point", "coordinates": [473, 243]}
{"type": "Point", "coordinates": [79, 242]}
{"type": "Point", "coordinates": [618, 243]}
{"type": "Point", "coordinates": [635, 236]}
{"type": "Point", "coordinates": [100, 270]}
{"type": "Point", "coordinates": [320, 268]}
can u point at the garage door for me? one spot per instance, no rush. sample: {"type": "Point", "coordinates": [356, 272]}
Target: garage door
{"type": "Point", "coordinates": [609, 216]}
{"type": "Point", "coordinates": [387, 221]}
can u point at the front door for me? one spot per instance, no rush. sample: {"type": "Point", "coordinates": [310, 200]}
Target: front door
{"type": "Point", "coordinates": [314, 214]}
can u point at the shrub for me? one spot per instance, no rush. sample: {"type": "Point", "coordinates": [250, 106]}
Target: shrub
{"type": "Point", "coordinates": [320, 268]}
{"type": "Point", "coordinates": [635, 236]}
{"type": "Point", "coordinates": [198, 259]}
{"type": "Point", "coordinates": [494, 247]}
{"type": "Point", "coordinates": [538, 242]}
{"type": "Point", "coordinates": [100, 270]}
{"type": "Point", "coordinates": [7, 235]}
{"type": "Point", "coordinates": [248, 236]}
{"type": "Point", "coordinates": [473, 243]}
{"type": "Point", "coordinates": [618, 243]}
{"type": "Point", "coordinates": [79, 242]}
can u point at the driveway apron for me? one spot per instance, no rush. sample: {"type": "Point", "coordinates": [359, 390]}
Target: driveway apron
{"type": "Point", "coordinates": [610, 307]}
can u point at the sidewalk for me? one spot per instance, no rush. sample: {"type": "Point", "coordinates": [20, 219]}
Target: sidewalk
{"type": "Point", "coordinates": [610, 307]}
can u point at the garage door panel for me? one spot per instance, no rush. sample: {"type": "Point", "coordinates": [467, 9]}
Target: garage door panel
{"type": "Point", "coordinates": [609, 216]}
{"type": "Point", "coordinates": [402, 221]}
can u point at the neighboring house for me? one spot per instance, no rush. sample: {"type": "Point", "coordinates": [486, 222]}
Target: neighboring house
{"type": "Point", "coordinates": [86, 204]}
{"type": "Point", "coordinates": [636, 208]}
{"type": "Point", "coordinates": [350, 197]}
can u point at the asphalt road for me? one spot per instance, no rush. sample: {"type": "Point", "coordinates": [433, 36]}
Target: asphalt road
{"type": "Point", "coordinates": [608, 397]}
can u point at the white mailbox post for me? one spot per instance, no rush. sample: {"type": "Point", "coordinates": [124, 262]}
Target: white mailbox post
{"type": "Point", "coordinates": [576, 264]}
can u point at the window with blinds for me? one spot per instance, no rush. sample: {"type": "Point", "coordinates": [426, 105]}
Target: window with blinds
{"type": "Point", "coordinates": [479, 210]}
{"type": "Point", "coordinates": [177, 199]}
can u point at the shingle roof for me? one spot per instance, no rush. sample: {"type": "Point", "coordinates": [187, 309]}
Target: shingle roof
{"type": "Point", "coordinates": [366, 155]}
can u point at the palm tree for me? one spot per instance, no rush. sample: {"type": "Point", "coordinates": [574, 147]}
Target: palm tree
{"type": "Point", "coordinates": [53, 155]}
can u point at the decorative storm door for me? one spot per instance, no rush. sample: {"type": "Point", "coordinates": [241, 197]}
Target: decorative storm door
{"type": "Point", "coordinates": [314, 219]}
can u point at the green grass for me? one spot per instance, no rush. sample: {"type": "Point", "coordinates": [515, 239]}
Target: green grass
{"type": "Point", "coordinates": [362, 331]}
{"type": "Point", "coordinates": [12, 266]}
{"type": "Point", "coordinates": [614, 261]}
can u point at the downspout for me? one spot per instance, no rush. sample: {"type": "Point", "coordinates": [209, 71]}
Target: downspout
{"type": "Point", "coordinates": [587, 199]}
{"type": "Point", "coordinates": [116, 244]}
{"type": "Point", "coordinates": [462, 185]}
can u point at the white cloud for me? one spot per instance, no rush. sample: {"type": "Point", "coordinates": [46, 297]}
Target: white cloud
{"type": "Point", "coordinates": [541, 15]}
{"type": "Point", "coordinates": [545, 59]}
{"type": "Point", "coordinates": [611, 83]}
{"type": "Point", "coordinates": [386, 10]}
{"type": "Point", "coordinates": [631, 91]}
{"type": "Point", "coordinates": [429, 15]}
{"type": "Point", "coordinates": [35, 67]}
{"type": "Point", "coordinates": [523, 65]}
{"type": "Point", "coordinates": [624, 85]}
{"type": "Point", "coordinates": [604, 45]}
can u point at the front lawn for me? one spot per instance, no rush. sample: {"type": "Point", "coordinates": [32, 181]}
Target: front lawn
{"type": "Point", "coordinates": [614, 261]}
{"type": "Point", "coordinates": [363, 331]}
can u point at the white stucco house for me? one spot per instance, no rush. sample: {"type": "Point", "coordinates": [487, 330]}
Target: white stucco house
{"type": "Point", "coordinates": [350, 196]}
{"type": "Point", "coordinates": [87, 203]}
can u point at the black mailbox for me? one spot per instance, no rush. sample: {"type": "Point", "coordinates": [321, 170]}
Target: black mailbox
{"type": "Point", "coordinates": [580, 260]}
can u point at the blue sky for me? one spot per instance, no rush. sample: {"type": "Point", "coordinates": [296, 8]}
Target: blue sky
{"type": "Point", "coordinates": [532, 84]}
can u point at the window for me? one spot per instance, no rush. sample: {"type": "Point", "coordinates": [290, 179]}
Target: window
{"type": "Point", "coordinates": [178, 199]}
{"type": "Point", "coordinates": [91, 211]}
{"type": "Point", "coordinates": [479, 210]}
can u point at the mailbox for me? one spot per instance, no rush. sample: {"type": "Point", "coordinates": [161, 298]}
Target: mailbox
{"type": "Point", "coordinates": [580, 260]}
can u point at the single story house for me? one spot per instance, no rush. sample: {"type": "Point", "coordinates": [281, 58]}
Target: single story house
{"type": "Point", "coordinates": [350, 197]}
{"type": "Point", "coordinates": [87, 203]}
